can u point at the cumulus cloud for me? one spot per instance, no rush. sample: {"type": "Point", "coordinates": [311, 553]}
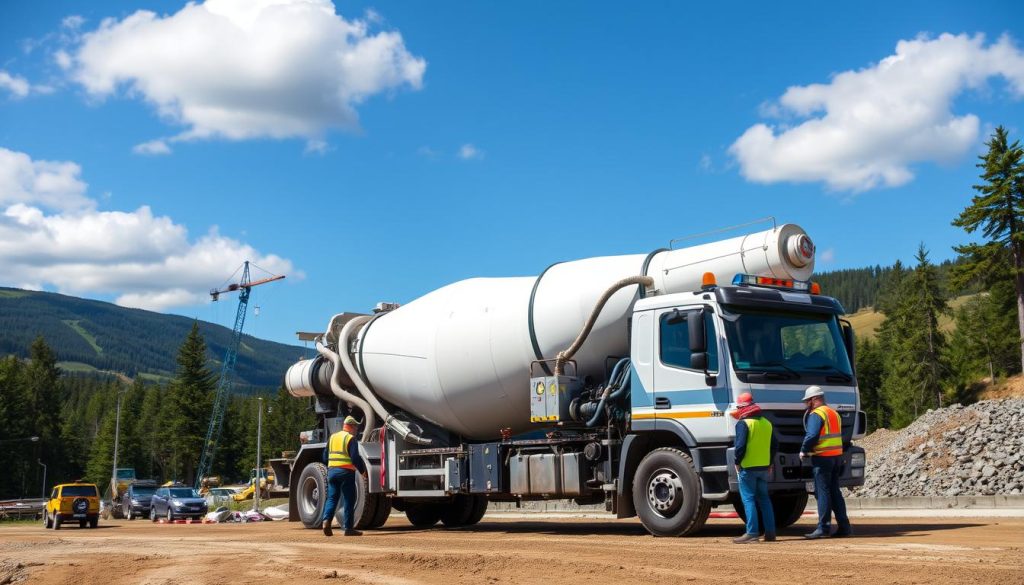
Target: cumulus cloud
{"type": "Point", "coordinates": [17, 86]}
{"type": "Point", "coordinates": [143, 260]}
{"type": "Point", "coordinates": [865, 128]}
{"type": "Point", "coordinates": [241, 69]}
{"type": "Point", "coordinates": [470, 152]}
{"type": "Point", "coordinates": [152, 148]}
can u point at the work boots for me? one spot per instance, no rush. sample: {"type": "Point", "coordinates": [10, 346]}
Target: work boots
{"type": "Point", "coordinates": [327, 528]}
{"type": "Point", "coordinates": [746, 539]}
{"type": "Point", "coordinates": [353, 532]}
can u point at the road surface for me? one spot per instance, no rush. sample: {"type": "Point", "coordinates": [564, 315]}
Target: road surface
{"type": "Point", "coordinates": [534, 550]}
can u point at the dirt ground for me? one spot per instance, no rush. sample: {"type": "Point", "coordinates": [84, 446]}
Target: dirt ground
{"type": "Point", "coordinates": [541, 551]}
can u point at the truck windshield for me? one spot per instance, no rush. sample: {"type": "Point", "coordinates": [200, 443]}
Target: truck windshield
{"type": "Point", "coordinates": [790, 344]}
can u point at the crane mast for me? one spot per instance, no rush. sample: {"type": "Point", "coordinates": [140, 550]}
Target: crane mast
{"type": "Point", "coordinates": [227, 370]}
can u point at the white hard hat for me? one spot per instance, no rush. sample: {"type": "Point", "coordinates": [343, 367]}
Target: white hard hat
{"type": "Point", "coordinates": [813, 392]}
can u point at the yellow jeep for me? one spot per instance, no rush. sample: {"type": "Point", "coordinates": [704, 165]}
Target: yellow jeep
{"type": "Point", "coordinates": [72, 501]}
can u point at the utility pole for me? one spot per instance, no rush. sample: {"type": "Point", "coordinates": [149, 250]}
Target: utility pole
{"type": "Point", "coordinates": [117, 437]}
{"type": "Point", "coordinates": [40, 462]}
{"type": "Point", "coordinates": [259, 467]}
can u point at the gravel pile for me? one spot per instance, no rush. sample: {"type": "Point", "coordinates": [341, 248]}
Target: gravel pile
{"type": "Point", "coordinates": [975, 450]}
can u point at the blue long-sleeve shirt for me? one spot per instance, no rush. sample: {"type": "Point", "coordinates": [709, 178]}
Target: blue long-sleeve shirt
{"type": "Point", "coordinates": [812, 428]}
{"type": "Point", "coordinates": [353, 453]}
{"type": "Point", "coordinates": [740, 446]}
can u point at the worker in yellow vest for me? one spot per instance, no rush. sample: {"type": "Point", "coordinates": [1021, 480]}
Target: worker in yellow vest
{"type": "Point", "coordinates": [823, 443]}
{"type": "Point", "coordinates": [754, 450]}
{"type": "Point", "coordinates": [343, 460]}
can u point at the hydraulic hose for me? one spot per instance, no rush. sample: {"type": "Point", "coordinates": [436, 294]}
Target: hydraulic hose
{"type": "Point", "coordinates": [399, 426]}
{"type": "Point", "coordinates": [339, 391]}
{"type": "Point", "coordinates": [618, 382]}
{"type": "Point", "coordinates": [566, 355]}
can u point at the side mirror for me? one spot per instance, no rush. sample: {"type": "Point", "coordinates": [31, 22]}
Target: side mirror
{"type": "Point", "coordinates": [698, 336]}
{"type": "Point", "coordinates": [699, 361]}
{"type": "Point", "coordinates": [848, 341]}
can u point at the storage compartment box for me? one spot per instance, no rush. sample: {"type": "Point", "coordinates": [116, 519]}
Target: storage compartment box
{"type": "Point", "coordinates": [573, 474]}
{"type": "Point", "coordinates": [545, 474]}
{"type": "Point", "coordinates": [519, 470]}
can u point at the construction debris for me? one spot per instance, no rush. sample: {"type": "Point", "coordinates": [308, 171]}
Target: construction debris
{"type": "Point", "coordinates": [975, 450]}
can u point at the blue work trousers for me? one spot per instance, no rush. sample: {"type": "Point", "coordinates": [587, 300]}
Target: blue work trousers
{"type": "Point", "coordinates": [341, 481]}
{"type": "Point", "coordinates": [826, 491]}
{"type": "Point", "coordinates": [754, 494]}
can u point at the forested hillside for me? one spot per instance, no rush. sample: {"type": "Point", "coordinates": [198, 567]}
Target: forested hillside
{"type": "Point", "coordinates": [127, 341]}
{"type": "Point", "coordinates": [859, 288]}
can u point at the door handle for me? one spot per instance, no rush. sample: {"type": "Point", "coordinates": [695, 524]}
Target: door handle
{"type": "Point", "coordinates": [662, 403]}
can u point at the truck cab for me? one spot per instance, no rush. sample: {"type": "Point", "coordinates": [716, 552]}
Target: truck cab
{"type": "Point", "coordinates": [694, 353]}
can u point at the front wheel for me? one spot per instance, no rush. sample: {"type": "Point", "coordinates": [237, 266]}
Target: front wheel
{"type": "Point", "coordinates": [170, 515]}
{"type": "Point", "coordinates": [129, 513]}
{"type": "Point", "coordinates": [152, 514]}
{"type": "Point", "coordinates": [311, 493]}
{"type": "Point", "coordinates": [56, 522]}
{"type": "Point", "coordinates": [47, 523]}
{"type": "Point", "coordinates": [667, 494]}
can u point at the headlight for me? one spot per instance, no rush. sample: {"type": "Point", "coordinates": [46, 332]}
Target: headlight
{"type": "Point", "coordinates": [175, 502]}
{"type": "Point", "coordinates": [857, 460]}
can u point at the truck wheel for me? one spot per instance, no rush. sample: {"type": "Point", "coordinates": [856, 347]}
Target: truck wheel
{"type": "Point", "coordinates": [788, 509]}
{"type": "Point", "coordinates": [479, 509]}
{"type": "Point", "coordinates": [383, 511]}
{"type": "Point", "coordinates": [365, 509]}
{"type": "Point", "coordinates": [667, 494]}
{"type": "Point", "coordinates": [457, 512]}
{"type": "Point", "coordinates": [423, 515]}
{"type": "Point", "coordinates": [312, 494]}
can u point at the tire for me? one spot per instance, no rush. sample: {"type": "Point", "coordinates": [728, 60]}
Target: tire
{"type": "Point", "coordinates": [130, 513]}
{"type": "Point", "coordinates": [311, 494]}
{"type": "Point", "coordinates": [47, 522]}
{"type": "Point", "coordinates": [423, 515]}
{"type": "Point", "coordinates": [456, 513]}
{"type": "Point", "coordinates": [365, 510]}
{"type": "Point", "coordinates": [480, 504]}
{"type": "Point", "coordinates": [56, 522]}
{"type": "Point", "coordinates": [667, 494]}
{"type": "Point", "coordinates": [152, 514]}
{"type": "Point", "coordinates": [788, 509]}
{"type": "Point", "coordinates": [170, 514]}
{"type": "Point", "coordinates": [94, 522]}
{"type": "Point", "coordinates": [82, 523]}
{"type": "Point", "coordinates": [383, 511]}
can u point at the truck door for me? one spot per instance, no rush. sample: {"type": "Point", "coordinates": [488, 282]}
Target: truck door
{"type": "Point", "coordinates": [682, 393]}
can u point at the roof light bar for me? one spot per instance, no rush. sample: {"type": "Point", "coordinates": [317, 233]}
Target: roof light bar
{"type": "Point", "coordinates": [768, 281]}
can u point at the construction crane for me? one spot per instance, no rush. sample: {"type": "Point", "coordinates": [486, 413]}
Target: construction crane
{"type": "Point", "coordinates": [227, 370]}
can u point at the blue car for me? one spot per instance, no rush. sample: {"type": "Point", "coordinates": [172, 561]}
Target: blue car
{"type": "Point", "coordinates": [137, 499]}
{"type": "Point", "coordinates": [176, 502]}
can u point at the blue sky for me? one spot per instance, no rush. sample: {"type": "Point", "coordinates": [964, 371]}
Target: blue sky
{"type": "Point", "coordinates": [490, 139]}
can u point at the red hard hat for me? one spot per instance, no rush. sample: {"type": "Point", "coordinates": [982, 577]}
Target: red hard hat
{"type": "Point", "coordinates": [745, 399]}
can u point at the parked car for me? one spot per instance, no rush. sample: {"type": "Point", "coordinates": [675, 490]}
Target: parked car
{"type": "Point", "coordinates": [72, 501]}
{"type": "Point", "coordinates": [136, 500]}
{"type": "Point", "coordinates": [176, 502]}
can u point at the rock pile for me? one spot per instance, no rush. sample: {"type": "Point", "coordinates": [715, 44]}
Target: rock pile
{"type": "Point", "coordinates": [975, 450]}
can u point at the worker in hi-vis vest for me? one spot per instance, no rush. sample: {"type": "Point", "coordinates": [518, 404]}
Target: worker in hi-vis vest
{"type": "Point", "coordinates": [754, 451]}
{"type": "Point", "coordinates": [342, 462]}
{"type": "Point", "coordinates": [823, 443]}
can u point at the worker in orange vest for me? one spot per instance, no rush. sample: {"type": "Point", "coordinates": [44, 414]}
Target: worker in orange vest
{"type": "Point", "coordinates": [823, 443]}
{"type": "Point", "coordinates": [342, 462]}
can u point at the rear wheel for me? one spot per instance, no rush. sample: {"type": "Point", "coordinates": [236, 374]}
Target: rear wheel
{"type": "Point", "coordinates": [383, 511]}
{"type": "Point", "coordinates": [667, 494]}
{"type": "Point", "coordinates": [56, 522]}
{"type": "Point", "coordinates": [365, 510]}
{"type": "Point", "coordinates": [423, 515]}
{"type": "Point", "coordinates": [311, 493]}
{"type": "Point", "coordinates": [457, 512]}
{"type": "Point", "coordinates": [480, 504]}
{"type": "Point", "coordinates": [94, 522]}
{"type": "Point", "coordinates": [82, 523]}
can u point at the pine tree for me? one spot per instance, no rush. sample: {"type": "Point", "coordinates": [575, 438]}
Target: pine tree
{"type": "Point", "coordinates": [998, 211]}
{"type": "Point", "coordinates": [43, 395]}
{"type": "Point", "coordinates": [915, 367]}
{"type": "Point", "coordinates": [870, 368]}
{"type": "Point", "coordinates": [189, 403]}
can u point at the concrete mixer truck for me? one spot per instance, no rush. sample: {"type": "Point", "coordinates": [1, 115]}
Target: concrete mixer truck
{"type": "Point", "coordinates": [604, 380]}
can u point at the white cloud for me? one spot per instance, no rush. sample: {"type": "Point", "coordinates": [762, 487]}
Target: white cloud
{"type": "Point", "coordinates": [54, 185]}
{"type": "Point", "coordinates": [827, 256]}
{"type": "Point", "coordinates": [470, 152]}
{"type": "Point", "coordinates": [18, 86]}
{"type": "Point", "coordinates": [314, 146]}
{"type": "Point", "coordinates": [152, 148]}
{"type": "Point", "coordinates": [72, 22]}
{"type": "Point", "coordinates": [240, 69]}
{"type": "Point", "coordinates": [144, 260]}
{"type": "Point", "coordinates": [865, 128]}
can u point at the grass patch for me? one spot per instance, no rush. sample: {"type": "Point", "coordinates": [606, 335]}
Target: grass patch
{"type": "Point", "coordinates": [12, 294]}
{"type": "Point", "coordinates": [158, 378]}
{"type": "Point", "coordinates": [867, 321]}
{"type": "Point", "coordinates": [77, 367]}
{"type": "Point", "coordinates": [76, 325]}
